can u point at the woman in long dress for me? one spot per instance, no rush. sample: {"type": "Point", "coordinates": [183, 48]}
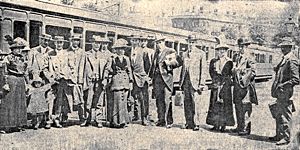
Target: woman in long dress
{"type": "Point", "coordinates": [13, 116]}
{"type": "Point", "coordinates": [119, 68]}
{"type": "Point", "coordinates": [220, 113]}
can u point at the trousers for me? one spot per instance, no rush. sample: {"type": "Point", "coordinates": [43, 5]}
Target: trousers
{"type": "Point", "coordinates": [283, 119]}
{"type": "Point", "coordinates": [141, 97]}
{"type": "Point", "coordinates": [163, 97]}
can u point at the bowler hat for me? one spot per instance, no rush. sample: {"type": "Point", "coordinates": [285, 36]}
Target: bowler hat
{"type": "Point", "coordinates": [287, 41]}
{"type": "Point", "coordinates": [46, 36]}
{"type": "Point", "coordinates": [120, 43]}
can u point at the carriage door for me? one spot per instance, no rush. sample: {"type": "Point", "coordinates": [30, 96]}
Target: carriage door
{"type": "Point", "coordinates": [35, 31]}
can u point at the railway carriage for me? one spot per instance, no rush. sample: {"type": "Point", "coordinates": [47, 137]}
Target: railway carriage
{"type": "Point", "coordinates": [30, 20]}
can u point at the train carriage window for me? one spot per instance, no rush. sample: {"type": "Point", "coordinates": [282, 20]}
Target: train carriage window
{"type": "Point", "coordinates": [78, 30]}
{"type": "Point", "coordinates": [262, 58]}
{"type": "Point", "coordinates": [60, 31]}
{"type": "Point", "coordinates": [19, 29]}
{"type": "Point", "coordinates": [35, 31]}
{"type": "Point", "coordinates": [270, 58]}
{"type": "Point", "coordinates": [256, 57]}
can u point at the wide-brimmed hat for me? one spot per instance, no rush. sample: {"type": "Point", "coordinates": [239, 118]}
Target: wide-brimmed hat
{"type": "Point", "coordinates": [26, 49]}
{"type": "Point", "coordinates": [287, 41]}
{"type": "Point", "coordinates": [46, 36]}
{"type": "Point", "coordinates": [159, 38]}
{"type": "Point", "coordinates": [120, 43]}
{"type": "Point", "coordinates": [243, 42]}
{"type": "Point", "coordinates": [219, 46]}
{"type": "Point", "coordinates": [37, 80]}
{"type": "Point", "coordinates": [3, 52]}
{"type": "Point", "coordinates": [59, 38]}
{"type": "Point", "coordinates": [76, 37]}
{"type": "Point", "coordinates": [18, 43]}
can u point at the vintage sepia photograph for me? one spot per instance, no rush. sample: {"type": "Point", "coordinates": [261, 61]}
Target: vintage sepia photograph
{"type": "Point", "coordinates": [149, 74]}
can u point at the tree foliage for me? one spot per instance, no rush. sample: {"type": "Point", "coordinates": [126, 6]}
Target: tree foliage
{"type": "Point", "coordinates": [67, 2]}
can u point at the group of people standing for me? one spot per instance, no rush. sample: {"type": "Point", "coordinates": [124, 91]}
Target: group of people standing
{"type": "Point", "coordinates": [113, 85]}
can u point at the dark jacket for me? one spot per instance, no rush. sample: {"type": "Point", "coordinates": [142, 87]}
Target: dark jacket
{"type": "Point", "coordinates": [287, 76]}
{"type": "Point", "coordinates": [159, 66]}
{"type": "Point", "coordinates": [248, 65]}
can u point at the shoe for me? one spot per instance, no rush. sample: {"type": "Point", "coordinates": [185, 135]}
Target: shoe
{"type": "Point", "coordinates": [274, 138]}
{"type": "Point", "coordinates": [48, 126]}
{"type": "Point", "coordinates": [145, 122]}
{"type": "Point", "coordinates": [196, 128]}
{"type": "Point", "coordinates": [20, 129]}
{"type": "Point", "coordinates": [187, 127]}
{"type": "Point", "coordinates": [243, 133]}
{"type": "Point", "coordinates": [283, 142]}
{"type": "Point", "coordinates": [2, 132]}
{"type": "Point", "coordinates": [160, 124]}
{"type": "Point", "coordinates": [236, 130]}
{"type": "Point", "coordinates": [36, 126]}
{"type": "Point", "coordinates": [169, 126]}
{"type": "Point", "coordinates": [84, 124]}
{"type": "Point", "coordinates": [215, 128]}
{"type": "Point", "coordinates": [223, 128]}
{"type": "Point", "coordinates": [57, 124]}
{"type": "Point", "coordinates": [99, 125]}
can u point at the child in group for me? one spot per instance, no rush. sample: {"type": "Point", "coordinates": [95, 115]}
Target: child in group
{"type": "Point", "coordinates": [38, 105]}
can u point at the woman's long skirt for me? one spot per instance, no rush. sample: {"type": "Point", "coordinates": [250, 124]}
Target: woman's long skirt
{"type": "Point", "coordinates": [220, 113]}
{"type": "Point", "coordinates": [117, 108]}
{"type": "Point", "coordinates": [13, 105]}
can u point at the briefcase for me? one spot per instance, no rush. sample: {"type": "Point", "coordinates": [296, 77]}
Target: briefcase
{"type": "Point", "coordinates": [273, 109]}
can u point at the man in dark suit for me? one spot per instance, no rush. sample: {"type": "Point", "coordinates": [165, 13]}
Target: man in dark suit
{"type": "Point", "coordinates": [244, 93]}
{"type": "Point", "coordinates": [140, 67]}
{"type": "Point", "coordinates": [161, 72]}
{"type": "Point", "coordinates": [286, 77]}
{"type": "Point", "coordinates": [192, 81]}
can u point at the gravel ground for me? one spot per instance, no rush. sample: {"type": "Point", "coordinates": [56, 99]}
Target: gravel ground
{"type": "Point", "coordinates": [151, 137]}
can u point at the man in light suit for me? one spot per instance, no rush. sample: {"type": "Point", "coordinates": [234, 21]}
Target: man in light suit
{"type": "Point", "coordinates": [244, 92]}
{"type": "Point", "coordinates": [140, 65]}
{"type": "Point", "coordinates": [286, 77]}
{"type": "Point", "coordinates": [38, 58]}
{"type": "Point", "coordinates": [192, 81]}
{"type": "Point", "coordinates": [161, 72]}
{"type": "Point", "coordinates": [94, 82]}
{"type": "Point", "coordinates": [70, 89]}
{"type": "Point", "coordinates": [55, 57]}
